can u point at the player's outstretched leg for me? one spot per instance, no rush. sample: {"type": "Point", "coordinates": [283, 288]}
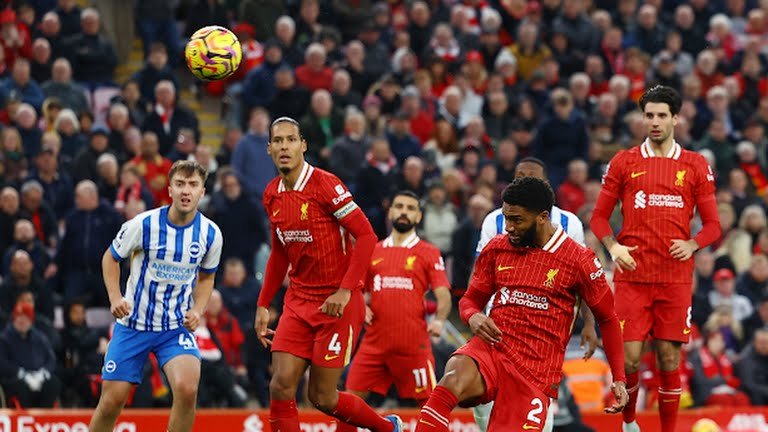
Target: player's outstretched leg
{"type": "Point", "coordinates": [288, 371]}
{"type": "Point", "coordinates": [346, 407]}
{"type": "Point", "coordinates": [183, 374]}
{"type": "Point", "coordinates": [114, 394]}
{"type": "Point", "coordinates": [670, 388]}
{"type": "Point", "coordinates": [462, 381]}
{"type": "Point", "coordinates": [632, 354]}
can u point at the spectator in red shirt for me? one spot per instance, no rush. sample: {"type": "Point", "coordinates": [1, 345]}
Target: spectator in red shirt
{"type": "Point", "coordinates": [714, 381]}
{"type": "Point", "coordinates": [154, 168]}
{"type": "Point", "coordinates": [314, 74]}
{"type": "Point", "coordinates": [422, 124]}
{"type": "Point", "coordinates": [227, 330]}
{"type": "Point", "coordinates": [571, 195]}
{"type": "Point", "coordinates": [14, 37]}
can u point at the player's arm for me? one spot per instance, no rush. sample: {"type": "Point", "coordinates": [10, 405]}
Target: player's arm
{"type": "Point", "coordinates": [274, 274]}
{"type": "Point", "coordinates": [600, 225]}
{"type": "Point", "coordinates": [443, 296]}
{"type": "Point", "coordinates": [205, 277]}
{"type": "Point", "coordinates": [588, 333]}
{"type": "Point", "coordinates": [471, 305]}
{"type": "Point", "coordinates": [127, 240]}
{"type": "Point", "coordinates": [710, 231]}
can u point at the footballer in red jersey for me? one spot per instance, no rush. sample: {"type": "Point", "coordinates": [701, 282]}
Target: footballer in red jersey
{"type": "Point", "coordinates": [396, 348]}
{"type": "Point", "coordinates": [537, 273]}
{"type": "Point", "coordinates": [659, 185]}
{"type": "Point", "coordinates": [312, 215]}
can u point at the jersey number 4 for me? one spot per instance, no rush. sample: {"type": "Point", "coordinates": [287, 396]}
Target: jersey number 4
{"type": "Point", "coordinates": [187, 341]}
{"type": "Point", "coordinates": [335, 345]}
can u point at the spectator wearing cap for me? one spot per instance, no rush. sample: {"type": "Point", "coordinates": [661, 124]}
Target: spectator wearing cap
{"type": "Point", "coordinates": [259, 85]}
{"type": "Point", "coordinates": [27, 361]}
{"type": "Point", "coordinates": [168, 117]}
{"type": "Point", "coordinates": [22, 83]}
{"type": "Point", "coordinates": [475, 72]}
{"type": "Point", "coordinates": [92, 55]}
{"type": "Point", "coordinates": [466, 235]}
{"type": "Point", "coordinates": [561, 138]}
{"type": "Point", "coordinates": [155, 69]}
{"type": "Point", "coordinates": [16, 40]}
{"type": "Point", "coordinates": [88, 231]}
{"type": "Point", "coordinates": [320, 127]}
{"type": "Point", "coordinates": [63, 88]}
{"type": "Point", "coordinates": [57, 185]}
{"type": "Point", "coordinates": [753, 366]}
{"type": "Point", "coordinates": [40, 67]}
{"type": "Point", "coordinates": [84, 165]}
{"type": "Point", "coordinates": [725, 294]}
{"type": "Point", "coordinates": [314, 74]}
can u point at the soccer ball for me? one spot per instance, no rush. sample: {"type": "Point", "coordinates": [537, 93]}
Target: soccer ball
{"type": "Point", "coordinates": [213, 53]}
{"type": "Point", "coordinates": [705, 425]}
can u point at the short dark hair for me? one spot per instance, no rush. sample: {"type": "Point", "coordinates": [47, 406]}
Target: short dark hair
{"type": "Point", "coordinates": [662, 94]}
{"type": "Point", "coordinates": [533, 160]}
{"type": "Point", "coordinates": [409, 194]}
{"type": "Point", "coordinates": [530, 193]}
{"type": "Point", "coordinates": [284, 119]}
{"type": "Point", "coordinates": [187, 168]}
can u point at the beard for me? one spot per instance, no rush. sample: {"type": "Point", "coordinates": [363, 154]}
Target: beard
{"type": "Point", "coordinates": [285, 169]}
{"type": "Point", "coordinates": [402, 227]}
{"type": "Point", "coordinates": [527, 239]}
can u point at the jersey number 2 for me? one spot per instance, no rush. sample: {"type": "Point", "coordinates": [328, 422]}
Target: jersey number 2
{"type": "Point", "coordinates": [538, 407]}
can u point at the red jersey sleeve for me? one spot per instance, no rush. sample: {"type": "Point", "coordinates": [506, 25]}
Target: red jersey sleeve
{"type": "Point", "coordinates": [704, 195]}
{"type": "Point", "coordinates": [613, 185]}
{"type": "Point", "coordinates": [592, 285]}
{"type": "Point", "coordinates": [335, 197]}
{"type": "Point", "coordinates": [437, 276]}
{"type": "Point", "coordinates": [481, 286]}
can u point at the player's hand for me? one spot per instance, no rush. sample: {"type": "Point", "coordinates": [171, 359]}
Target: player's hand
{"type": "Point", "coordinates": [368, 315]}
{"type": "Point", "coordinates": [435, 328]}
{"type": "Point", "coordinates": [262, 331]}
{"type": "Point", "coordinates": [191, 320]}
{"type": "Point", "coordinates": [120, 308]}
{"type": "Point", "coordinates": [335, 303]}
{"type": "Point", "coordinates": [589, 339]}
{"type": "Point", "coordinates": [620, 254]}
{"type": "Point", "coordinates": [484, 327]}
{"type": "Point", "coordinates": [619, 390]}
{"type": "Point", "coordinates": [683, 249]}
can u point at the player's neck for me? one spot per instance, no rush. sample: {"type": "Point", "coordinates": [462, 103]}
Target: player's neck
{"type": "Point", "coordinates": [545, 234]}
{"type": "Point", "coordinates": [291, 177]}
{"type": "Point", "coordinates": [663, 148]}
{"type": "Point", "coordinates": [399, 238]}
{"type": "Point", "coordinates": [180, 219]}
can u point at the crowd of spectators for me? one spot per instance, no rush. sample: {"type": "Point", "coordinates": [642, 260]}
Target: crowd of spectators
{"type": "Point", "coordinates": [440, 97]}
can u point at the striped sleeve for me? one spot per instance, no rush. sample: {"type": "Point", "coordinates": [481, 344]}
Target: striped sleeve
{"type": "Point", "coordinates": [128, 239]}
{"type": "Point", "coordinates": [214, 241]}
{"type": "Point", "coordinates": [336, 197]}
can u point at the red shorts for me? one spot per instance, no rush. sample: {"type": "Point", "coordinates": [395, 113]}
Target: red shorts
{"type": "Point", "coordinates": [412, 374]}
{"type": "Point", "coordinates": [518, 404]}
{"type": "Point", "coordinates": [660, 310]}
{"type": "Point", "coordinates": [326, 341]}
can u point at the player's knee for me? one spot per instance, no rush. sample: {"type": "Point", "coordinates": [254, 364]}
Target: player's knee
{"type": "Point", "coordinates": [281, 388]}
{"type": "Point", "coordinates": [631, 365]}
{"type": "Point", "coordinates": [454, 383]}
{"type": "Point", "coordinates": [323, 399]}
{"type": "Point", "coordinates": [186, 393]}
{"type": "Point", "coordinates": [112, 402]}
{"type": "Point", "coordinates": [669, 359]}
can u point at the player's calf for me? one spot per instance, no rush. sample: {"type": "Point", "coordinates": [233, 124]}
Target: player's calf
{"type": "Point", "coordinates": [114, 394]}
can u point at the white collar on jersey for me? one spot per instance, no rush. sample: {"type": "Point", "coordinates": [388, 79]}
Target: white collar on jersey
{"type": "Point", "coordinates": [408, 243]}
{"type": "Point", "coordinates": [647, 151]}
{"type": "Point", "coordinates": [301, 182]}
{"type": "Point", "coordinates": [556, 240]}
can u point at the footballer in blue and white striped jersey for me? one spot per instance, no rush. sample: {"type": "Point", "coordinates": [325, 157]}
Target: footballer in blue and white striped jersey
{"type": "Point", "coordinates": [165, 259]}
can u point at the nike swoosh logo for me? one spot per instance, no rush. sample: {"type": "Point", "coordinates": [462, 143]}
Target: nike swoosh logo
{"type": "Point", "coordinates": [376, 261]}
{"type": "Point", "coordinates": [329, 357]}
{"type": "Point", "coordinates": [686, 331]}
{"type": "Point", "coordinates": [502, 268]}
{"type": "Point", "coordinates": [274, 213]}
{"type": "Point", "coordinates": [420, 389]}
{"type": "Point", "coordinates": [638, 174]}
{"type": "Point", "coordinates": [426, 422]}
{"type": "Point", "coordinates": [669, 400]}
{"type": "Point", "coordinates": [530, 427]}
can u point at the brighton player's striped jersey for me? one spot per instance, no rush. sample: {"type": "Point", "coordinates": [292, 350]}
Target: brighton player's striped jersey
{"type": "Point", "coordinates": [493, 225]}
{"type": "Point", "coordinates": [165, 260]}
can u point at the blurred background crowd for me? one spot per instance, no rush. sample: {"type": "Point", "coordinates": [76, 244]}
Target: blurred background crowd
{"type": "Point", "coordinates": [441, 97]}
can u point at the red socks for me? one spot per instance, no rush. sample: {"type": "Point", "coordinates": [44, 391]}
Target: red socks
{"type": "Point", "coordinates": [283, 416]}
{"type": "Point", "coordinates": [434, 414]}
{"type": "Point", "coordinates": [354, 411]}
{"type": "Point", "coordinates": [669, 399]}
{"type": "Point", "coordinates": [633, 382]}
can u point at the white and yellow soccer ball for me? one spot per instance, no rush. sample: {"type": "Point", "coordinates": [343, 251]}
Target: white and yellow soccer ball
{"type": "Point", "coordinates": [213, 53]}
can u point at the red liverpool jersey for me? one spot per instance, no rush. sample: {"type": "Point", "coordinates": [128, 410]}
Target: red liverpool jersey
{"type": "Point", "coordinates": [658, 197]}
{"type": "Point", "coordinates": [536, 291]}
{"type": "Point", "coordinates": [398, 278]}
{"type": "Point", "coordinates": [306, 222]}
